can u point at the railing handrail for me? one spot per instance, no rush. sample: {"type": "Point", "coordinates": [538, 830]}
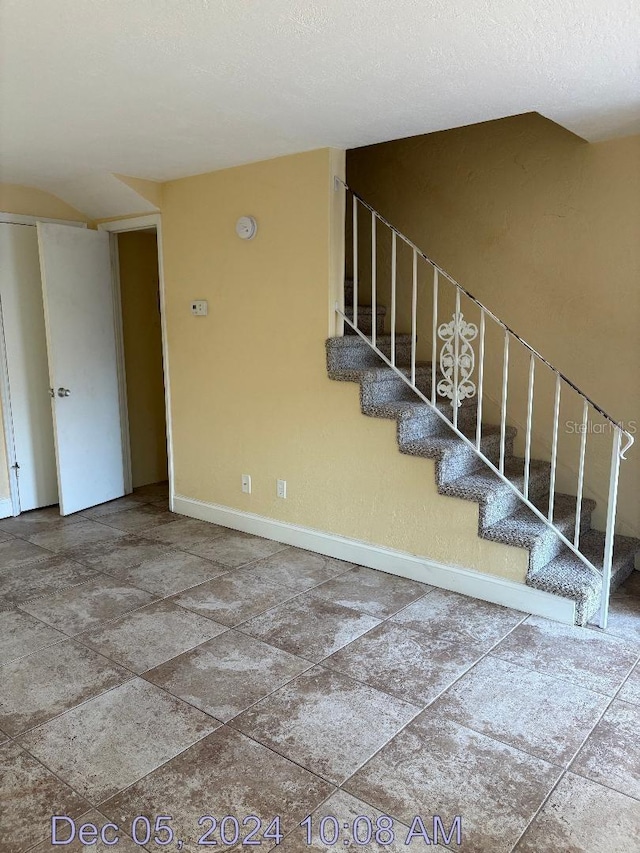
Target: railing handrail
{"type": "Point", "coordinates": [483, 307]}
{"type": "Point", "coordinates": [496, 470]}
{"type": "Point", "coordinates": [457, 360]}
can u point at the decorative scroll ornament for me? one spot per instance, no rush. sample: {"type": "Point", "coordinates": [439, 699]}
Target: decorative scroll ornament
{"type": "Point", "coordinates": [457, 336]}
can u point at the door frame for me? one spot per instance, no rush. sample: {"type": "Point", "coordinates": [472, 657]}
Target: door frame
{"type": "Point", "coordinates": [122, 226]}
{"type": "Point", "coordinates": [5, 390]}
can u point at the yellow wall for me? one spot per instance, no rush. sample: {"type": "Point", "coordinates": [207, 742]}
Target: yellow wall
{"type": "Point", "coordinates": [138, 256]}
{"type": "Point", "coordinates": [543, 228]}
{"type": "Point", "coordinates": [250, 392]}
{"type": "Point", "coordinates": [29, 201]}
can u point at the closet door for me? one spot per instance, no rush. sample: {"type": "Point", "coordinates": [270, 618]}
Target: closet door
{"type": "Point", "coordinates": [81, 344]}
{"type": "Point", "coordinates": [27, 368]}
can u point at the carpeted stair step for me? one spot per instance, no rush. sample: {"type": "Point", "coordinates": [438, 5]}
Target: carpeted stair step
{"type": "Point", "coordinates": [383, 385]}
{"type": "Point", "coordinates": [352, 353]}
{"type": "Point", "coordinates": [420, 415]}
{"type": "Point", "coordinates": [383, 380]}
{"type": "Point", "coordinates": [454, 458]}
{"type": "Point", "coordinates": [494, 497]}
{"type": "Point", "coordinates": [348, 291]}
{"type": "Point", "coordinates": [625, 549]}
{"type": "Point", "coordinates": [523, 529]}
{"type": "Point", "coordinates": [420, 423]}
{"type": "Point", "coordinates": [568, 576]}
{"type": "Point", "coordinates": [365, 318]}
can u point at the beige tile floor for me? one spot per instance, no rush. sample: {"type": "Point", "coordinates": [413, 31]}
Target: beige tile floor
{"type": "Point", "coordinates": [153, 665]}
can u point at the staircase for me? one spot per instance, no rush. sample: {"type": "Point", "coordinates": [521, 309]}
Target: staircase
{"type": "Point", "coordinates": [397, 387]}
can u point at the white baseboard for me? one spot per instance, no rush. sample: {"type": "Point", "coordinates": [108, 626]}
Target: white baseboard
{"type": "Point", "coordinates": [487, 587]}
{"type": "Point", "coordinates": [6, 508]}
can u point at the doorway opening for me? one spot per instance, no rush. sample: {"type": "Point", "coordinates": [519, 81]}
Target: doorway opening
{"type": "Point", "coordinates": [136, 261]}
{"type": "Point", "coordinates": [83, 365]}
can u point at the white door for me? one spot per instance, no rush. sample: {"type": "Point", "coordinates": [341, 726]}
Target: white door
{"type": "Point", "coordinates": [27, 369]}
{"type": "Point", "coordinates": [79, 319]}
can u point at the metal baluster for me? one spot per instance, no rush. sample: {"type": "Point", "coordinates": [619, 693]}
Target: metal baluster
{"type": "Point", "coordinates": [527, 450]}
{"type": "Point", "coordinates": [480, 382]}
{"type": "Point", "coordinates": [456, 356]}
{"type": "Point", "coordinates": [355, 262]}
{"type": "Point", "coordinates": [618, 432]}
{"type": "Point", "coordinates": [610, 530]}
{"type": "Point", "coordinates": [393, 297]}
{"type": "Point", "coordinates": [374, 279]}
{"type": "Point", "coordinates": [503, 413]}
{"type": "Point", "coordinates": [414, 318]}
{"type": "Point", "coordinates": [434, 345]}
{"type": "Point", "coordinates": [554, 449]}
{"type": "Point", "coordinates": [583, 447]}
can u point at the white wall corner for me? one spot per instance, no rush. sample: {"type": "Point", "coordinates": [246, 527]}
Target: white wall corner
{"type": "Point", "coordinates": [102, 196]}
{"type": "Point", "coordinates": [486, 587]}
{"type": "Point", "coordinates": [338, 163]}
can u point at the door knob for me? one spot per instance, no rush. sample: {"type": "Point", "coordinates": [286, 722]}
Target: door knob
{"type": "Point", "coordinates": [63, 392]}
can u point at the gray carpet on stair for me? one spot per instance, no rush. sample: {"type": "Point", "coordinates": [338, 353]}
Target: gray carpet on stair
{"type": "Point", "coordinates": [462, 474]}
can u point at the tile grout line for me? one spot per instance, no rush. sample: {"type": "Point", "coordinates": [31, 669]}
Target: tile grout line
{"type": "Point", "coordinates": [230, 720]}
{"type": "Point", "coordinates": [61, 714]}
{"type": "Point", "coordinates": [296, 595]}
{"type": "Point", "coordinates": [140, 676]}
{"type": "Point", "coordinates": [55, 525]}
{"type": "Point", "coordinates": [102, 623]}
{"type": "Point", "coordinates": [319, 663]}
{"type": "Point", "coordinates": [96, 805]}
{"type": "Point", "coordinates": [217, 729]}
{"type": "Point", "coordinates": [158, 598]}
{"type": "Point", "coordinates": [557, 677]}
{"type": "Point", "coordinates": [322, 661]}
{"type": "Point", "coordinates": [134, 674]}
{"type": "Point", "coordinates": [39, 596]}
{"type": "Point", "coordinates": [105, 623]}
{"type": "Point", "coordinates": [567, 769]}
{"type": "Point", "coordinates": [422, 710]}
{"type": "Point", "coordinates": [462, 675]}
{"type": "Point", "coordinates": [336, 787]}
{"type": "Point", "coordinates": [574, 754]}
{"type": "Point", "coordinates": [313, 663]}
{"type": "Point", "coordinates": [63, 553]}
{"type": "Point", "coordinates": [80, 817]}
{"type": "Point", "coordinates": [38, 650]}
{"type": "Point", "coordinates": [419, 711]}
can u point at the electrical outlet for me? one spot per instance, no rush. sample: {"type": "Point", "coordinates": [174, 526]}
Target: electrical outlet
{"type": "Point", "coordinates": [281, 488]}
{"type": "Point", "coordinates": [200, 308]}
{"type": "Point", "coordinates": [246, 483]}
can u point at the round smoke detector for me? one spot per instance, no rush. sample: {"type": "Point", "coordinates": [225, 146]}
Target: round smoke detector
{"type": "Point", "coordinates": [246, 227]}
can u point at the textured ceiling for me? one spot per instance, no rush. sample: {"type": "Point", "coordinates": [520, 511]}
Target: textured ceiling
{"type": "Point", "coordinates": [165, 88]}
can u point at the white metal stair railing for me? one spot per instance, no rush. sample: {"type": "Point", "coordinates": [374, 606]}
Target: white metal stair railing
{"type": "Point", "coordinates": [457, 361]}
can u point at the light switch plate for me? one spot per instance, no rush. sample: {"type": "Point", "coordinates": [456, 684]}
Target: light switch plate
{"type": "Point", "coordinates": [200, 307]}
